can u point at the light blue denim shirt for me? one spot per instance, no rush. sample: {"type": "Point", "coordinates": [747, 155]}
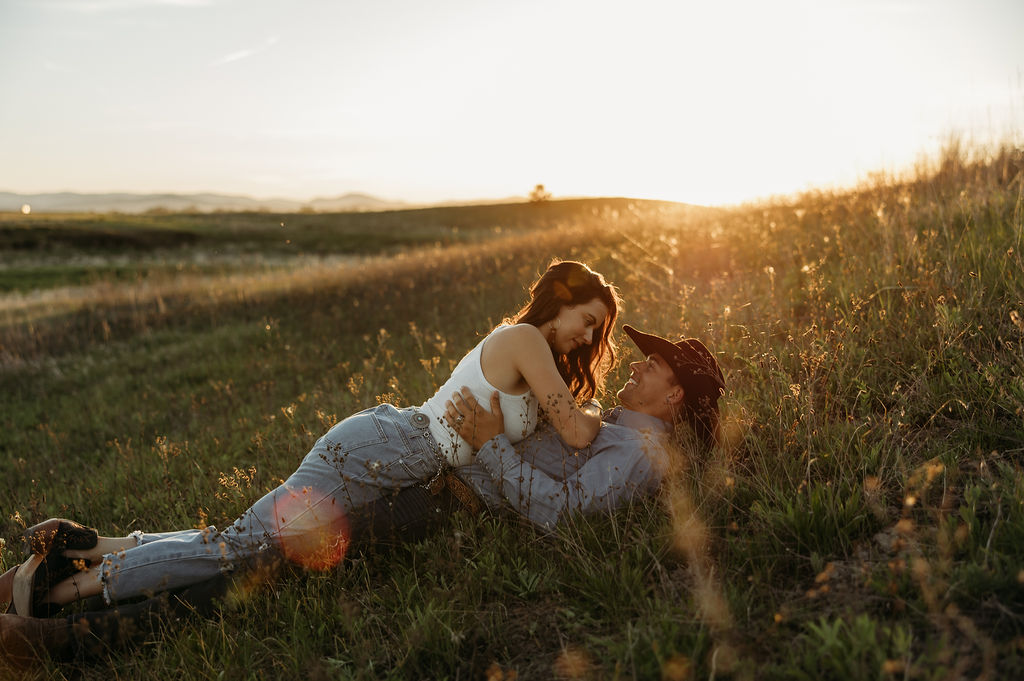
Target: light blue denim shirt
{"type": "Point", "coordinates": [547, 481]}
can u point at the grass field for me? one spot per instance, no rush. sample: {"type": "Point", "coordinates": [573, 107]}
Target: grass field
{"type": "Point", "coordinates": [864, 518]}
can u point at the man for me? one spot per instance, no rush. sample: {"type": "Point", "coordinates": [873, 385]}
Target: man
{"type": "Point", "coordinates": [547, 481]}
{"type": "Point", "coordinates": [541, 478]}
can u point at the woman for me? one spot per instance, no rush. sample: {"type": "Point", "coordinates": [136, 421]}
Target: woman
{"type": "Point", "coordinates": [553, 354]}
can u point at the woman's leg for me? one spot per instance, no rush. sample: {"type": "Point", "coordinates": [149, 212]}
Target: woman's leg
{"type": "Point", "coordinates": [367, 455]}
{"type": "Point", "coordinates": [104, 545]}
{"type": "Point", "coordinates": [82, 584]}
{"type": "Point", "coordinates": [87, 582]}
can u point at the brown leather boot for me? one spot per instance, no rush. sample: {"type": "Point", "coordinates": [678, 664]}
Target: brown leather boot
{"type": "Point", "coordinates": [7, 587]}
{"type": "Point", "coordinates": [28, 640]}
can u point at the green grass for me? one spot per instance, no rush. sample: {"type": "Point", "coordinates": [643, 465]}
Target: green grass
{"type": "Point", "coordinates": [862, 520]}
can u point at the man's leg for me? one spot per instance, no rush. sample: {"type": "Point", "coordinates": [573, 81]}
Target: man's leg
{"type": "Point", "coordinates": [88, 635]}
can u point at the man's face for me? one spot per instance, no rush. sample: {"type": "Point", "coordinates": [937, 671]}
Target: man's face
{"type": "Point", "coordinates": [650, 386]}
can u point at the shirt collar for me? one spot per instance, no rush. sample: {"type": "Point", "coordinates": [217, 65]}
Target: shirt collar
{"type": "Point", "coordinates": [636, 420]}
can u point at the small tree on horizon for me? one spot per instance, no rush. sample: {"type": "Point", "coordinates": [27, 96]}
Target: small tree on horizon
{"type": "Point", "coordinates": [539, 194]}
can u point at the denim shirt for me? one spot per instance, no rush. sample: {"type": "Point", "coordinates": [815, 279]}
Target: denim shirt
{"type": "Point", "coordinates": [547, 481]}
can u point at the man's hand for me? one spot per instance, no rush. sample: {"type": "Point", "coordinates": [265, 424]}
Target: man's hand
{"type": "Point", "coordinates": [471, 421]}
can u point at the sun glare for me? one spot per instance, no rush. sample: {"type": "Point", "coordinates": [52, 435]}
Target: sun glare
{"type": "Point", "coordinates": [312, 534]}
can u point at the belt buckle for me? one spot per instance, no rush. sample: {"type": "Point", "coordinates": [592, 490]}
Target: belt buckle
{"type": "Point", "coordinates": [420, 420]}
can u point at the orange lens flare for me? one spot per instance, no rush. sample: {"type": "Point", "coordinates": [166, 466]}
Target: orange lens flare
{"type": "Point", "coordinates": [312, 531]}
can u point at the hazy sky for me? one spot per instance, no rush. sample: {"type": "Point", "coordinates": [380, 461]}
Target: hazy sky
{"type": "Point", "coordinates": [706, 102]}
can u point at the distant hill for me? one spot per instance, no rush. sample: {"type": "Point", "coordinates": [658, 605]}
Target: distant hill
{"type": "Point", "coordinates": [70, 202]}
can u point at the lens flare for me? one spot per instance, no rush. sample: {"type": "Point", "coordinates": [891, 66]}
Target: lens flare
{"type": "Point", "coordinates": [312, 528]}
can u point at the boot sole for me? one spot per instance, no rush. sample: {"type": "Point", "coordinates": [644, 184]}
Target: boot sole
{"type": "Point", "coordinates": [24, 580]}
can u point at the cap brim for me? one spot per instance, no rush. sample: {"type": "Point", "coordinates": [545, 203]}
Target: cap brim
{"type": "Point", "coordinates": [696, 360]}
{"type": "Point", "coordinates": [650, 344]}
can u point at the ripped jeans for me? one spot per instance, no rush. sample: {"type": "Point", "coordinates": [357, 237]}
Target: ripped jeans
{"type": "Point", "coordinates": [376, 452]}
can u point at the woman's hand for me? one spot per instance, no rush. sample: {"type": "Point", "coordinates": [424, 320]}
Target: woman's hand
{"type": "Point", "coordinates": [473, 423]}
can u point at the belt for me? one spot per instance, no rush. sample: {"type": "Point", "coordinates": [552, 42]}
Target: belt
{"type": "Point", "coordinates": [447, 480]}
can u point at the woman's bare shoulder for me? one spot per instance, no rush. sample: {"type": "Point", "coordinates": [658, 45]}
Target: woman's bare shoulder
{"type": "Point", "coordinates": [519, 331]}
{"type": "Point", "coordinates": [518, 337]}
{"type": "Point", "coordinates": [515, 340]}
{"type": "Point", "coordinates": [508, 351]}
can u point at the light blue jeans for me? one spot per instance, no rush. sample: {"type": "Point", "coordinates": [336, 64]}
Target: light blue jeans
{"type": "Point", "coordinates": [375, 452]}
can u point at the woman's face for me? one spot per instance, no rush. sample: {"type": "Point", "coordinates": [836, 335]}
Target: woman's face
{"type": "Point", "coordinates": [578, 325]}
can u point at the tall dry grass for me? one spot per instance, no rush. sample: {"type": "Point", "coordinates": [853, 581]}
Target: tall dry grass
{"type": "Point", "coordinates": [862, 519]}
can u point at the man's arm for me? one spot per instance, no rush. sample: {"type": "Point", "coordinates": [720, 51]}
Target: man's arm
{"type": "Point", "coordinates": [610, 478]}
{"type": "Point", "coordinates": [473, 424]}
{"type": "Point", "coordinates": [604, 483]}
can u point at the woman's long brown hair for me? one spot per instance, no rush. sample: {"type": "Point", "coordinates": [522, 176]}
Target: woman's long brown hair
{"type": "Point", "coordinates": [569, 282]}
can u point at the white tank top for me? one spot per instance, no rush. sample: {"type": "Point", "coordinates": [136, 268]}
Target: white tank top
{"type": "Point", "coordinates": [520, 411]}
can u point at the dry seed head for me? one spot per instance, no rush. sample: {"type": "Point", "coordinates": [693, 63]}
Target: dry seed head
{"type": "Point", "coordinates": [712, 605]}
{"type": "Point", "coordinates": [825, 574]}
{"type": "Point", "coordinates": [496, 673]}
{"type": "Point", "coordinates": [724, 658]}
{"type": "Point", "coordinates": [893, 666]}
{"type": "Point", "coordinates": [961, 535]}
{"type": "Point", "coordinates": [573, 663]}
{"type": "Point", "coordinates": [690, 534]}
{"type": "Point", "coordinates": [676, 668]}
{"type": "Point", "coordinates": [1017, 320]}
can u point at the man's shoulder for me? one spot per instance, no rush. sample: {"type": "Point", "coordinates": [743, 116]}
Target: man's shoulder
{"type": "Point", "coordinates": [612, 434]}
{"type": "Point", "coordinates": [619, 432]}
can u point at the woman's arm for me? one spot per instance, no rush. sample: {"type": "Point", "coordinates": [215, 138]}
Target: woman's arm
{"type": "Point", "coordinates": [523, 347]}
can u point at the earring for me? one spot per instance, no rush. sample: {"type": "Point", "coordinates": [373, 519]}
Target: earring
{"type": "Point", "coordinates": [554, 328]}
